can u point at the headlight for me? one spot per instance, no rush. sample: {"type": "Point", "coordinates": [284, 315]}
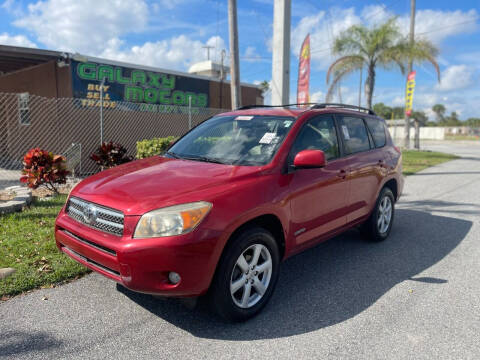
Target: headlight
{"type": "Point", "coordinates": [173, 220]}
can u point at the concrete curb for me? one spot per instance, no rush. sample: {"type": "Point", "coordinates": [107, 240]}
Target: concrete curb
{"type": "Point", "coordinates": [23, 197]}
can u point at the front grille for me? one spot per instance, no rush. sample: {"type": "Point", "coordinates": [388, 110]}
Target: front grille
{"type": "Point", "coordinates": [90, 261]}
{"type": "Point", "coordinates": [95, 216]}
{"type": "Point", "coordinates": [90, 243]}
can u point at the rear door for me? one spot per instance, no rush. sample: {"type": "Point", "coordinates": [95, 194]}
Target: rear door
{"type": "Point", "coordinates": [318, 196]}
{"type": "Point", "coordinates": [364, 162]}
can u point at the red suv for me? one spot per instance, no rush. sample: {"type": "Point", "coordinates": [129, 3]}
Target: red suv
{"type": "Point", "coordinates": [231, 199]}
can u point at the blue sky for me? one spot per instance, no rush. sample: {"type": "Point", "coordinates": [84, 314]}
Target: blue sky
{"type": "Point", "coordinates": [171, 34]}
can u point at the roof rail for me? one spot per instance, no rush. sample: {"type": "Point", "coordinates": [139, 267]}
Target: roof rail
{"type": "Point", "coordinates": [272, 106]}
{"type": "Point", "coordinates": [345, 106]}
{"type": "Point", "coordinates": [313, 106]}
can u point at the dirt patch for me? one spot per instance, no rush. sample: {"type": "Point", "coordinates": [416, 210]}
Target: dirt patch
{"type": "Point", "coordinates": [6, 195]}
{"type": "Point", "coordinates": [43, 192]}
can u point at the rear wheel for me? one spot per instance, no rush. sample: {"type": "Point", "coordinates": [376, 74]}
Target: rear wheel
{"type": "Point", "coordinates": [379, 224]}
{"type": "Point", "coordinates": [246, 275]}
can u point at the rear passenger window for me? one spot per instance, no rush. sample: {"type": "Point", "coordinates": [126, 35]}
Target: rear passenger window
{"type": "Point", "coordinates": [377, 128]}
{"type": "Point", "coordinates": [354, 134]}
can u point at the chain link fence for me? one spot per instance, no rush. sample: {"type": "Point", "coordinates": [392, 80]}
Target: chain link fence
{"type": "Point", "coordinates": [75, 128]}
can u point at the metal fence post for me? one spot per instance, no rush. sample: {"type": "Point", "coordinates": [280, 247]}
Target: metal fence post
{"type": "Point", "coordinates": [101, 110]}
{"type": "Point", "coordinates": [189, 112]}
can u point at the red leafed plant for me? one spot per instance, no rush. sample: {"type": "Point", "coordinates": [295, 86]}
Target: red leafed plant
{"type": "Point", "coordinates": [110, 154]}
{"type": "Point", "coordinates": [41, 167]}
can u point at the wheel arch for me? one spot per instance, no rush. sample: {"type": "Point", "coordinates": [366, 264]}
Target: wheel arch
{"type": "Point", "coordinates": [269, 222]}
{"type": "Point", "coordinates": [393, 186]}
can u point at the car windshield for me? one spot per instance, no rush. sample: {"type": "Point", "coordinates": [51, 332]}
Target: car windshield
{"type": "Point", "coordinates": [237, 140]}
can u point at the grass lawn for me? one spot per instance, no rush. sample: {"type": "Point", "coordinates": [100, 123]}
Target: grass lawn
{"type": "Point", "coordinates": [463, 137]}
{"type": "Point", "coordinates": [414, 160]}
{"type": "Point", "coordinates": [27, 244]}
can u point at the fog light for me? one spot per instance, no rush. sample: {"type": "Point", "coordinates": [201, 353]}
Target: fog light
{"type": "Point", "coordinates": [174, 277]}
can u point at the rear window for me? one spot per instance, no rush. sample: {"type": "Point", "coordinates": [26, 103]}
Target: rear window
{"type": "Point", "coordinates": [354, 134]}
{"type": "Point", "coordinates": [377, 128]}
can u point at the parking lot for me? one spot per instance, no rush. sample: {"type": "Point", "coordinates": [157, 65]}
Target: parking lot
{"type": "Point", "coordinates": [417, 295]}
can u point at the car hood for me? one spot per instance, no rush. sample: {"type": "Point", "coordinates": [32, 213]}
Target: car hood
{"type": "Point", "coordinates": [144, 185]}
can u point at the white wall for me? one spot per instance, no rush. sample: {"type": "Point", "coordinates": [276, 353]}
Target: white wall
{"type": "Point", "coordinates": [426, 133]}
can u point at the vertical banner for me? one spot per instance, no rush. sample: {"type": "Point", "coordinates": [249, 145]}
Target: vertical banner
{"type": "Point", "coordinates": [304, 72]}
{"type": "Point", "coordinates": [409, 93]}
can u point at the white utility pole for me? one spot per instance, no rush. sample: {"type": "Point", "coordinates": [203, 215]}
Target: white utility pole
{"type": "Point", "coordinates": [234, 58]}
{"type": "Point", "coordinates": [410, 66]}
{"type": "Point", "coordinates": [281, 52]}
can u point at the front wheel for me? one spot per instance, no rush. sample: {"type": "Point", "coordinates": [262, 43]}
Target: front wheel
{"type": "Point", "coordinates": [246, 275]}
{"type": "Point", "coordinates": [379, 224]}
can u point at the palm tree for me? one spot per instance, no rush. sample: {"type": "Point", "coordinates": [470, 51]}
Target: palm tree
{"type": "Point", "coordinates": [264, 87]}
{"type": "Point", "coordinates": [383, 46]}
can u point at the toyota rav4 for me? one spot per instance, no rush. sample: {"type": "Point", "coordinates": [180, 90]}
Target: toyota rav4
{"type": "Point", "coordinates": [218, 212]}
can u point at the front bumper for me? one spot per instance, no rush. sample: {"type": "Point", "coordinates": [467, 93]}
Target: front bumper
{"type": "Point", "coordinates": [143, 264]}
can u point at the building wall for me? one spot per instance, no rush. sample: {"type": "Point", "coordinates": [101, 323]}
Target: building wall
{"type": "Point", "coordinates": [426, 133]}
{"type": "Point", "coordinates": [220, 95]}
{"type": "Point", "coordinates": [47, 80]}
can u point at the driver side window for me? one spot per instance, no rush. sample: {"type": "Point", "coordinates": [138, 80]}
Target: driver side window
{"type": "Point", "coordinates": [317, 134]}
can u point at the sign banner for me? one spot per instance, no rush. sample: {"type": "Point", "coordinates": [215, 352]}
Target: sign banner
{"type": "Point", "coordinates": [409, 93]}
{"type": "Point", "coordinates": [153, 89]}
{"type": "Point", "coordinates": [304, 72]}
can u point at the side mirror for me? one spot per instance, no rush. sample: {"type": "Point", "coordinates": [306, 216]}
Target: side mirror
{"type": "Point", "coordinates": [309, 159]}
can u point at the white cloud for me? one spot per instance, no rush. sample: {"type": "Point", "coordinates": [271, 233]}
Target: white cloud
{"type": "Point", "coordinates": [12, 7]}
{"type": "Point", "coordinates": [317, 96]}
{"type": "Point", "coordinates": [168, 4]}
{"type": "Point", "coordinates": [436, 25]}
{"type": "Point", "coordinates": [17, 40]}
{"type": "Point", "coordinates": [251, 55]}
{"type": "Point", "coordinates": [83, 26]}
{"type": "Point", "coordinates": [325, 26]}
{"type": "Point", "coordinates": [177, 53]}
{"type": "Point", "coordinates": [456, 77]}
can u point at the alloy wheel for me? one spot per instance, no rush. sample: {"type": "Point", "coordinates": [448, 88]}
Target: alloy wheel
{"type": "Point", "coordinates": [251, 276]}
{"type": "Point", "coordinates": [384, 215]}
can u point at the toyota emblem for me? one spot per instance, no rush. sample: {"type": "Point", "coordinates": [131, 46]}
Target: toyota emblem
{"type": "Point", "coordinates": [90, 214]}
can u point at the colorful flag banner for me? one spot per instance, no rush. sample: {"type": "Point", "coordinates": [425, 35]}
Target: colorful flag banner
{"type": "Point", "coordinates": [304, 72]}
{"type": "Point", "coordinates": [409, 93]}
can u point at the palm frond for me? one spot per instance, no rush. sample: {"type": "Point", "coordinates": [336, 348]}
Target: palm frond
{"type": "Point", "coordinates": [343, 62]}
{"type": "Point", "coordinates": [423, 50]}
{"type": "Point", "coordinates": [341, 73]}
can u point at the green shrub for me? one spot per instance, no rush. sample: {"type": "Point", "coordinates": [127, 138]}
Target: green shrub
{"type": "Point", "coordinates": [156, 146]}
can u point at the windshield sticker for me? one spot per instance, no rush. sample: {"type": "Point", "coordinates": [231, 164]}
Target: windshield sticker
{"type": "Point", "coordinates": [243, 117]}
{"type": "Point", "coordinates": [345, 132]}
{"type": "Point", "coordinates": [267, 138]}
{"type": "Point", "coordinates": [287, 123]}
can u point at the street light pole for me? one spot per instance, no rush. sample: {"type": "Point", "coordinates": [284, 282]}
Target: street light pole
{"type": "Point", "coordinates": [234, 58]}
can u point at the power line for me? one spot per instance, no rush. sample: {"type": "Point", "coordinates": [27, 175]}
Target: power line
{"type": "Point", "coordinates": [449, 26]}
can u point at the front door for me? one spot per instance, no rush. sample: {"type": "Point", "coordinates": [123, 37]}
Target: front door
{"type": "Point", "coordinates": [318, 196]}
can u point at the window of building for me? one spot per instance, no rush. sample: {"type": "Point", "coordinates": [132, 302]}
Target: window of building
{"type": "Point", "coordinates": [23, 108]}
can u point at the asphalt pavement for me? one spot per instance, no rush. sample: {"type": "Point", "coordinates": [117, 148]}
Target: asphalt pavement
{"type": "Point", "coordinates": [414, 296]}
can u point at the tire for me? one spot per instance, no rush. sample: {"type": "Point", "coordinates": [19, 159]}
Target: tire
{"type": "Point", "coordinates": [231, 303]}
{"type": "Point", "coordinates": [374, 229]}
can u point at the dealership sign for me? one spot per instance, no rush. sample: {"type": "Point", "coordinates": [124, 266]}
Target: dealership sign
{"type": "Point", "coordinates": [135, 85]}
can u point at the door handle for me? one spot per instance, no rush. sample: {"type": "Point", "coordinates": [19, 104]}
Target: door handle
{"type": "Point", "coordinates": [342, 174]}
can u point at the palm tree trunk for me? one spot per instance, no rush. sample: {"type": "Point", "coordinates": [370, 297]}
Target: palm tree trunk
{"type": "Point", "coordinates": [369, 85]}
